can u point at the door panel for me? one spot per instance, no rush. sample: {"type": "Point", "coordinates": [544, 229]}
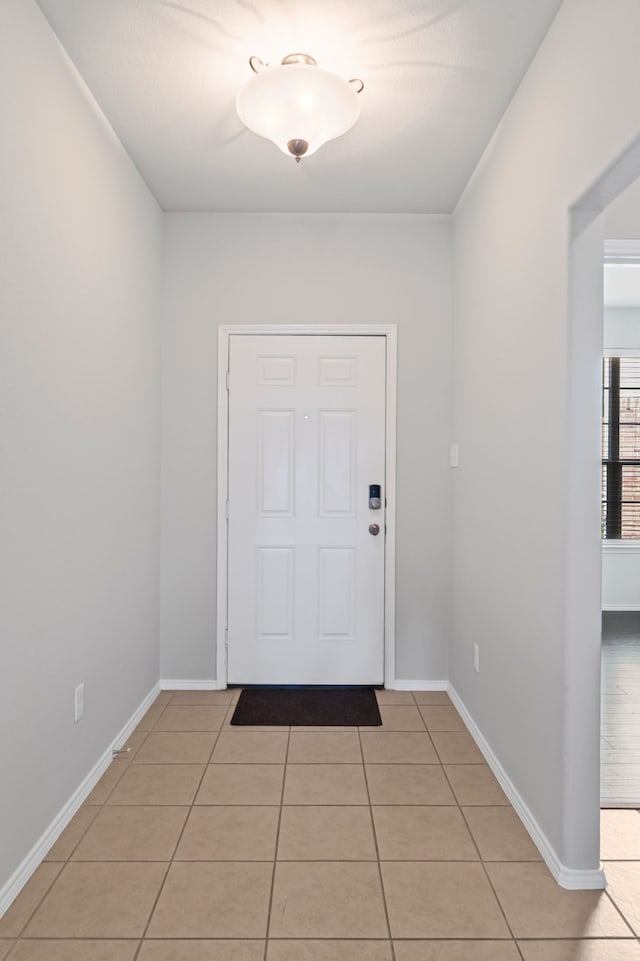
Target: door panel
{"type": "Point", "coordinates": [275, 592]}
{"type": "Point", "coordinates": [306, 578]}
{"type": "Point", "coordinates": [276, 456]}
{"type": "Point", "coordinates": [337, 463]}
{"type": "Point", "coordinates": [336, 596]}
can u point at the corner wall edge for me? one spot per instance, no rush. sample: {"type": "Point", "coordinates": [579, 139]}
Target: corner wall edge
{"type": "Point", "coordinates": [572, 879]}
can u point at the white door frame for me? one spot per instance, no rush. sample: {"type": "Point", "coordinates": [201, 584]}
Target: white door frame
{"type": "Point", "coordinates": [389, 332]}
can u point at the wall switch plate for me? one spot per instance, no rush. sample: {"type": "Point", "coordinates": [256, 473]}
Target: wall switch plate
{"type": "Point", "coordinates": [454, 455]}
{"type": "Point", "coordinates": [476, 658]}
{"type": "Point", "coordinates": [79, 702]}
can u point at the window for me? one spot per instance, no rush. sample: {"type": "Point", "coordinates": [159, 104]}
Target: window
{"type": "Point", "coordinates": [621, 448]}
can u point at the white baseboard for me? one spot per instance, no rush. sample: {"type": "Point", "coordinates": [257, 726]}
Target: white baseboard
{"type": "Point", "coordinates": [574, 880]}
{"type": "Point", "coordinates": [621, 607]}
{"type": "Point", "coordinates": [185, 684]}
{"type": "Point", "coordinates": [418, 686]}
{"type": "Point", "coordinates": [45, 842]}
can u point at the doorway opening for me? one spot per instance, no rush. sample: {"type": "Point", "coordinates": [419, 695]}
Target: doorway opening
{"type": "Point", "coordinates": [620, 704]}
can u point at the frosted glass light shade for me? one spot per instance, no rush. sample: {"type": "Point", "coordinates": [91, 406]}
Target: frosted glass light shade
{"type": "Point", "coordinates": [299, 104]}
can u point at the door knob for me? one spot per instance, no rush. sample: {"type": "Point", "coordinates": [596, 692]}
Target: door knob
{"type": "Point", "coordinates": [374, 529]}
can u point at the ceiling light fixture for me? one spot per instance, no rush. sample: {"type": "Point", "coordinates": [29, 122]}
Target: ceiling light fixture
{"type": "Point", "coordinates": [298, 105]}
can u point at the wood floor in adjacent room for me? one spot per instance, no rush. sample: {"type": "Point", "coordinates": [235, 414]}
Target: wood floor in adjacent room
{"type": "Point", "coordinates": [213, 843]}
{"type": "Point", "coordinates": [620, 726]}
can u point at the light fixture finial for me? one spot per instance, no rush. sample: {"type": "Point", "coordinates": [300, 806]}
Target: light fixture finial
{"type": "Point", "coordinates": [298, 148]}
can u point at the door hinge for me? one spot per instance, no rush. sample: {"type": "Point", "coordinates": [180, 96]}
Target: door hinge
{"type": "Point", "coordinates": [228, 379]}
{"type": "Point", "coordinates": [226, 638]}
{"type": "Point", "coordinates": [226, 509]}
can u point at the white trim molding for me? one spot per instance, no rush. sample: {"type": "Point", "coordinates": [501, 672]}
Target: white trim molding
{"type": "Point", "coordinates": [619, 579]}
{"type": "Point", "coordinates": [570, 878]}
{"type": "Point", "coordinates": [620, 351]}
{"type": "Point", "coordinates": [419, 686]}
{"type": "Point", "coordinates": [186, 684]}
{"type": "Point", "coordinates": [622, 251]}
{"type": "Point", "coordinates": [621, 547]}
{"type": "Point", "coordinates": [47, 839]}
{"type": "Point", "coordinates": [390, 333]}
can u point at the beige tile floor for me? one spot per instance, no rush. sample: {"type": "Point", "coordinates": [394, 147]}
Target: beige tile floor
{"type": "Point", "coordinates": [213, 843]}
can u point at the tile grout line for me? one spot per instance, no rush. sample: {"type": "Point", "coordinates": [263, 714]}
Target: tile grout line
{"type": "Point", "coordinates": [473, 841]}
{"type": "Point", "coordinates": [619, 910]}
{"type": "Point", "coordinates": [127, 764]}
{"type": "Point", "coordinates": [36, 908]}
{"type": "Point", "coordinates": [120, 938]}
{"type": "Point", "coordinates": [31, 915]}
{"type": "Point", "coordinates": [377, 850]}
{"type": "Point", "coordinates": [481, 860]}
{"type": "Point", "coordinates": [275, 852]}
{"type": "Point", "coordinates": [80, 839]}
{"type": "Point", "coordinates": [175, 848]}
{"type": "Point", "coordinates": [331, 860]}
{"type": "Point", "coordinates": [129, 760]}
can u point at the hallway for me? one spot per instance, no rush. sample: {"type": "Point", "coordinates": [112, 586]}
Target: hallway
{"type": "Point", "coordinates": [212, 843]}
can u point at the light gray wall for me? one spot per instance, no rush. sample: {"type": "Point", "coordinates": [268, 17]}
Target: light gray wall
{"type": "Point", "coordinates": [80, 242]}
{"type": "Point", "coordinates": [526, 562]}
{"type": "Point", "coordinates": [239, 269]}
{"type": "Point", "coordinates": [622, 216]}
{"type": "Point", "coordinates": [622, 328]}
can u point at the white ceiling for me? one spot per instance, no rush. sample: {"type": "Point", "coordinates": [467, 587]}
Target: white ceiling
{"type": "Point", "coordinates": [438, 76]}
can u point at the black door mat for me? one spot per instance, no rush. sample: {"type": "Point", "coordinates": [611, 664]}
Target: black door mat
{"type": "Point", "coordinates": [315, 707]}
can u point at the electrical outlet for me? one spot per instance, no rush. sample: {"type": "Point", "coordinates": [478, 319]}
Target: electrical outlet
{"type": "Point", "coordinates": [79, 702]}
{"type": "Point", "coordinates": [476, 658]}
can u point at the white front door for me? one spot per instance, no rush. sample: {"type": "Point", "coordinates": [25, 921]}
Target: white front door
{"type": "Point", "coordinates": [305, 575]}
